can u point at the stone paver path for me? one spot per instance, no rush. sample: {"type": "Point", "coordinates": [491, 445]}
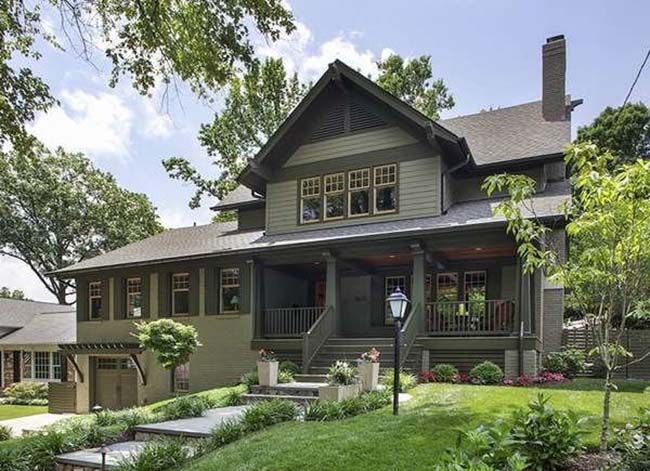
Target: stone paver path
{"type": "Point", "coordinates": [32, 422]}
{"type": "Point", "coordinates": [92, 457]}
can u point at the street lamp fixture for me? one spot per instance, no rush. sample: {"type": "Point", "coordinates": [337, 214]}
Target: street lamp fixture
{"type": "Point", "coordinates": [397, 302]}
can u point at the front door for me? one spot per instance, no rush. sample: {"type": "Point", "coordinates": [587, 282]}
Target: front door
{"type": "Point", "coordinates": [116, 383]}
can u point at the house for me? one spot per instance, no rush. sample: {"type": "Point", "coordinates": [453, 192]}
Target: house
{"type": "Point", "coordinates": [30, 333]}
{"type": "Point", "coordinates": [355, 195]}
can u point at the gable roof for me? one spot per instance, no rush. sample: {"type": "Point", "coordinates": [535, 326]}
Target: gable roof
{"type": "Point", "coordinates": [221, 239]}
{"type": "Point", "coordinates": [15, 313]}
{"type": "Point", "coordinates": [46, 328]}
{"type": "Point", "coordinates": [240, 197]}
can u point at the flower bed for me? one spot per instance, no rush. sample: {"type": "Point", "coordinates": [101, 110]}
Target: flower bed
{"type": "Point", "coordinates": [545, 377]}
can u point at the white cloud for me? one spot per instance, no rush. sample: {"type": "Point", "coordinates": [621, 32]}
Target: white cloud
{"type": "Point", "coordinates": [174, 217]}
{"type": "Point", "coordinates": [156, 124]}
{"type": "Point", "coordinates": [15, 274]}
{"type": "Point", "coordinates": [343, 49]}
{"type": "Point", "coordinates": [98, 124]}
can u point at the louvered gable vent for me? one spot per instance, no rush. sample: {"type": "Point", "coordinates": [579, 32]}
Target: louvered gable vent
{"type": "Point", "coordinates": [361, 118]}
{"type": "Point", "coordinates": [342, 117]}
{"type": "Point", "coordinates": [333, 123]}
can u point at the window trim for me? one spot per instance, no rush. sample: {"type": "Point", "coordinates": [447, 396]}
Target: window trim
{"type": "Point", "coordinates": [472, 272]}
{"type": "Point", "coordinates": [92, 296]}
{"type": "Point", "coordinates": [175, 379]}
{"type": "Point", "coordinates": [326, 193]}
{"type": "Point", "coordinates": [447, 273]}
{"type": "Point", "coordinates": [376, 186]}
{"type": "Point", "coordinates": [221, 287]}
{"type": "Point", "coordinates": [130, 315]}
{"type": "Point", "coordinates": [32, 366]}
{"type": "Point", "coordinates": [351, 190]}
{"type": "Point", "coordinates": [175, 290]}
{"type": "Point", "coordinates": [318, 196]}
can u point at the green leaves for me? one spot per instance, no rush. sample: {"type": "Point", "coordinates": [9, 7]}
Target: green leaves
{"type": "Point", "coordinates": [171, 342]}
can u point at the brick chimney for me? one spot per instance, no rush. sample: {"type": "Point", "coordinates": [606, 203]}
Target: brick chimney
{"type": "Point", "coordinates": [554, 79]}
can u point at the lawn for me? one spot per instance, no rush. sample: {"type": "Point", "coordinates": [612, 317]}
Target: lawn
{"type": "Point", "coordinates": [427, 426]}
{"type": "Point", "coordinates": [13, 412]}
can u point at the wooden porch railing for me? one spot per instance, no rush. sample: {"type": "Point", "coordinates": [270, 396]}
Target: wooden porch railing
{"type": "Point", "coordinates": [409, 332]}
{"type": "Point", "coordinates": [488, 317]}
{"type": "Point", "coordinates": [316, 336]}
{"type": "Point", "coordinates": [288, 322]}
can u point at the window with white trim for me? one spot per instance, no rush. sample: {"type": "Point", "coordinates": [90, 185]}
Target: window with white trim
{"type": "Point", "coordinates": [230, 296]}
{"type": "Point", "coordinates": [334, 196]}
{"type": "Point", "coordinates": [134, 297]}
{"type": "Point", "coordinates": [95, 300]}
{"type": "Point", "coordinates": [41, 365]}
{"type": "Point", "coordinates": [310, 200]}
{"type": "Point", "coordinates": [385, 181]}
{"type": "Point", "coordinates": [180, 294]}
{"type": "Point", "coordinates": [57, 370]}
{"type": "Point", "coordinates": [475, 285]}
{"type": "Point", "coordinates": [447, 287]}
{"type": "Point", "coordinates": [359, 192]}
{"type": "Point", "coordinates": [27, 365]}
{"type": "Point", "coordinates": [391, 283]}
{"type": "Point", "coordinates": [182, 378]}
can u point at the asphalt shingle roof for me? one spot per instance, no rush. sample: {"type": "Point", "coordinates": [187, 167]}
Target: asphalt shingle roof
{"type": "Point", "coordinates": [18, 313]}
{"type": "Point", "coordinates": [238, 196]}
{"type": "Point", "coordinates": [223, 238]}
{"type": "Point", "coordinates": [513, 133]}
{"type": "Point", "coordinates": [46, 328]}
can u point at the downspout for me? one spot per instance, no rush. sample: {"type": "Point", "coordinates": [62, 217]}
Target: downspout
{"type": "Point", "coordinates": [465, 161]}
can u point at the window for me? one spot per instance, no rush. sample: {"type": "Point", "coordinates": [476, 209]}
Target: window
{"type": "Point", "coordinates": [385, 189]}
{"type": "Point", "coordinates": [95, 299]}
{"type": "Point", "coordinates": [334, 196]}
{"type": "Point", "coordinates": [56, 365]}
{"type": "Point", "coordinates": [229, 290]}
{"type": "Point", "coordinates": [359, 192]}
{"type": "Point", "coordinates": [41, 365]}
{"type": "Point", "coordinates": [114, 363]}
{"type": "Point", "coordinates": [391, 283]}
{"type": "Point", "coordinates": [475, 291]}
{"type": "Point", "coordinates": [180, 294]}
{"type": "Point", "coordinates": [182, 378]}
{"type": "Point", "coordinates": [310, 201]}
{"type": "Point", "coordinates": [134, 297]}
{"type": "Point", "coordinates": [447, 288]}
{"type": "Point", "coordinates": [27, 365]}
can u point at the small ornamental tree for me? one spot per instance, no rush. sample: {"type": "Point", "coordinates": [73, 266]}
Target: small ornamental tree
{"type": "Point", "coordinates": [608, 272]}
{"type": "Point", "coordinates": [171, 342]}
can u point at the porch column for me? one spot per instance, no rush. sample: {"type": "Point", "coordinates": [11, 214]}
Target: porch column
{"type": "Point", "coordinates": [332, 287]}
{"type": "Point", "coordinates": [257, 297]}
{"type": "Point", "coordinates": [418, 296]}
{"type": "Point", "coordinates": [525, 300]}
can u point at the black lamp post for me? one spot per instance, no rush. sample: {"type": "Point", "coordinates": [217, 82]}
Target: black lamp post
{"type": "Point", "coordinates": [397, 302]}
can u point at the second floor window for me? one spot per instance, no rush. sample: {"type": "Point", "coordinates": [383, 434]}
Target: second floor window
{"type": "Point", "coordinates": [385, 189]}
{"type": "Point", "coordinates": [134, 297]}
{"type": "Point", "coordinates": [310, 201]}
{"type": "Point", "coordinates": [180, 294]}
{"type": "Point", "coordinates": [334, 196]}
{"type": "Point", "coordinates": [230, 296]}
{"type": "Point", "coordinates": [359, 192]}
{"type": "Point", "coordinates": [447, 287]}
{"type": "Point", "coordinates": [95, 300]}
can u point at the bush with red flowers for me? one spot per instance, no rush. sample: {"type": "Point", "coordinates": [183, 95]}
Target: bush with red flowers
{"type": "Point", "coordinates": [426, 377]}
{"type": "Point", "coordinates": [548, 377]}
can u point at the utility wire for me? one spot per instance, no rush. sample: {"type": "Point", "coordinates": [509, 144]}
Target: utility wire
{"type": "Point", "coordinates": [636, 79]}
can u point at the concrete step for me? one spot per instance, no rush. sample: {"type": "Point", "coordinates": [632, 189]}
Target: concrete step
{"type": "Point", "coordinates": [307, 378]}
{"type": "Point", "coordinates": [288, 389]}
{"type": "Point", "coordinates": [302, 400]}
{"type": "Point", "coordinates": [92, 457]}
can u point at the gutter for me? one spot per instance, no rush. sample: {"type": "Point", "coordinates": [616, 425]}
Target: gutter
{"type": "Point", "coordinates": [468, 157]}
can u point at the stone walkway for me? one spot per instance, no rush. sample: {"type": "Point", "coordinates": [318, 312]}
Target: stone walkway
{"type": "Point", "coordinates": [32, 422]}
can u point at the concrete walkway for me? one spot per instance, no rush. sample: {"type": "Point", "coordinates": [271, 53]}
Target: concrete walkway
{"type": "Point", "coordinates": [32, 422]}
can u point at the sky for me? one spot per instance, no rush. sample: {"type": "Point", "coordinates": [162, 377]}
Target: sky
{"type": "Point", "coordinates": [487, 52]}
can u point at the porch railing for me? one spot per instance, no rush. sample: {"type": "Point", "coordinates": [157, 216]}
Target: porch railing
{"type": "Point", "coordinates": [287, 322]}
{"type": "Point", "coordinates": [316, 336]}
{"type": "Point", "coordinates": [486, 317]}
{"type": "Point", "coordinates": [409, 332]}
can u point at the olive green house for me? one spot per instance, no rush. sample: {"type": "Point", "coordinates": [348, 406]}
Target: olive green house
{"type": "Point", "coordinates": [355, 195]}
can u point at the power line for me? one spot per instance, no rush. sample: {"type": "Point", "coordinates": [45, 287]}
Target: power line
{"type": "Point", "coordinates": [636, 79]}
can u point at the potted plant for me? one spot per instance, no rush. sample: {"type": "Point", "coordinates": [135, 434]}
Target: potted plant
{"type": "Point", "coordinates": [342, 383]}
{"type": "Point", "coordinates": [368, 366]}
{"type": "Point", "coordinates": [267, 368]}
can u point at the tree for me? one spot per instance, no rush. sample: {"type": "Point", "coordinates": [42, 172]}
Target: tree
{"type": "Point", "coordinates": [6, 293]}
{"type": "Point", "coordinates": [412, 81]}
{"type": "Point", "coordinates": [56, 209]}
{"type": "Point", "coordinates": [624, 131]}
{"type": "Point", "coordinates": [608, 272]}
{"type": "Point", "coordinates": [171, 342]}
{"type": "Point", "coordinates": [200, 42]}
{"type": "Point", "coordinates": [256, 105]}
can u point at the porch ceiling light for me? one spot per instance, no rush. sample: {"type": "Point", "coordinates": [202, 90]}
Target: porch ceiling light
{"type": "Point", "coordinates": [397, 302]}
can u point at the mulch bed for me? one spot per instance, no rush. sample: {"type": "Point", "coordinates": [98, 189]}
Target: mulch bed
{"type": "Point", "coordinates": [592, 462]}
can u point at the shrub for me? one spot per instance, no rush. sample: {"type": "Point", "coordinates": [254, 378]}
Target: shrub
{"type": "Point", "coordinates": [267, 413]}
{"type": "Point", "coordinates": [127, 418]}
{"type": "Point", "coordinates": [184, 407]}
{"type": "Point", "coordinates": [445, 373]}
{"type": "Point", "coordinates": [285, 376]}
{"type": "Point", "coordinates": [569, 362]}
{"type": "Point", "coordinates": [5, 433]}
{"type": "Point", "coordinates": [547, 377]}
{"type": "Point", "coordinates": [330, 410]}
{"type": "Point", "coordinates": [171, 342]}
{"type": "Point", "coordinates": [486, 373]}
{"type": "Point", "coordinates": [14, 459]}
{"type": "Point", "coordinates": [426, 377]}
{"type": "Point", "coordinates": [290, 367]}
{"type": "Point", "coordinates": [547, 437]}
{"type": "Point", "coordinates": [250, 379]}
{"type": "Point", "coordinates": [157, 455]}
{"type": "Point", "coordinates": [407, 381]}
{"type": "Point", "coordinates": [26, 391]}
{"type": "Point", "coordinates": [226, 433]}
{"type": "Point", "coordinates": [234, 398]}
{"type": "Point", "coordinates": [23, 402]}
{"type": "Point", "coordinates": [325, 411]}
{"type": "Point", "coordinates": [341, 373]}
{"type": "Point", "coordinates": [633, 443]}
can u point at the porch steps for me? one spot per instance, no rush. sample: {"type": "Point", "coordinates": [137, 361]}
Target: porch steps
{"type": "Point", "coordinates": [310, 378]}
{"type": "Point", "coordinates": [298, 391]}
{"type": "Point", "coordinates": [302, 400]}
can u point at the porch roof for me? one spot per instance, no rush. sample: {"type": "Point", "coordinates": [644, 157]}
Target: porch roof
{"type": "Point", "coordinates": [223, 239]}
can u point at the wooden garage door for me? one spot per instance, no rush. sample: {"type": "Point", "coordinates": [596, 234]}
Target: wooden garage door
{"type": "Point", "coordinates": [116, 383]}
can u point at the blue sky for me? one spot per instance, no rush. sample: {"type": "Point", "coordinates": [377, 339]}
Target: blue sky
{"type": "Point", "coordinates": [488, 53]}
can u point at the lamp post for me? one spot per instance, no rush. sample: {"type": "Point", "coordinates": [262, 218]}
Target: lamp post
{"type": "Point", "coordinates": [397, 302]}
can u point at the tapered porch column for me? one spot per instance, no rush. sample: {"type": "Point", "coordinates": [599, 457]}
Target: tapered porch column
{"type": "Point", "coordinates": [525, 300]}
{"type": "Point", "coordinates": [256, 270]}
{"type": "Point", "coordinates": [332, 287]}
{"type": "Point", "coordinates": [418, 296]}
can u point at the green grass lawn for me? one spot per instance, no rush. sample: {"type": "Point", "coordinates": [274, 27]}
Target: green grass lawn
{"type": "Point", "coordinates": [13, 412]}
{"type": "Point", "coordinates": [428, 425]}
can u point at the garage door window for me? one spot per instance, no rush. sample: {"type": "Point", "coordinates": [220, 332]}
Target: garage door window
{"type": "Point", "coordinates": [182, 378]}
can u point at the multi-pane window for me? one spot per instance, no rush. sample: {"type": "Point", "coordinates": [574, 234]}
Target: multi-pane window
{"type": "Point", "coordinates": [359, 192]}
{"type": "Point", "coordinates": [182, 378]}
{"type": "Point", "coordinates": [334, 196]}
{"type": "Point", "coordinates": [310, 200]}
{"type": "Point", "coordinates": [180, 294]}
{"type": "Point", "coordinates": [447, 287]}
{"type": "Point", "coordinates": [475, 286]}
{"type": "Point", "coordinates": [56, 365]}
{"type": "Point", "coordinates": [385, 179]}
{"type": "Point", "coordinates": [134, 297]}
{"type": "Point", "coordinates": [391, 283]}
{"type": "Point", "coordinates": [95, 299]}
{"type": "Point", "coordinates": [41, 365]}
{"type": "Point", "coordinates": [27, 365]}
{"type": "Point", "coordinates": [230, 297]}
{"type": "Point", "coordinates": [114, 363]}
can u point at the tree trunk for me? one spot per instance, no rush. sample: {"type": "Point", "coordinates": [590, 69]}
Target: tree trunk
{"type": "Point", "coordinates": [61, 294]}
{"type": "Point", "coordinates": [604, 432]}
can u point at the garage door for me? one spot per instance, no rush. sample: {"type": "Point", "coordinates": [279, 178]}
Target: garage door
{"type": "Point", "coordinates": [116, 383]}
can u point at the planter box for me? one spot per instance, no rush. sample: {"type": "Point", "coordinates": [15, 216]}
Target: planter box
{"type": "Point", "coordinates": [338, 393]}
{"type": "Point", "coordinates": [369, 375]}
{"type": "Point", "coordinates": [267, 373]}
